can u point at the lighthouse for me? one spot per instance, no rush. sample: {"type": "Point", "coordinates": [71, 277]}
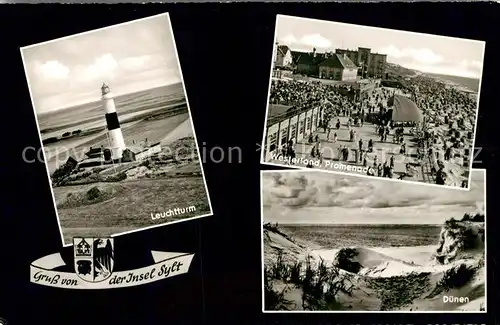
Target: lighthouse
{"type": "Point", "coordinates": [116, 142]}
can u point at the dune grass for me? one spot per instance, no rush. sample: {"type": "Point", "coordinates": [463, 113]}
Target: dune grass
{"type": "Point", "coordinates": [318, 282]}
{"type": "Point", "coordinates": [399, 291]}
{"type": "Point", "coordinates": [455, 278]}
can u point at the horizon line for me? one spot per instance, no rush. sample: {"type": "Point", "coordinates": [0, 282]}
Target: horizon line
{"type": "Point", "coordinates": [93, 101]}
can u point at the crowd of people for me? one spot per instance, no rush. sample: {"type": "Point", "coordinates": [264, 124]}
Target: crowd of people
{"type": "Point", "coordinates": [447, 128]}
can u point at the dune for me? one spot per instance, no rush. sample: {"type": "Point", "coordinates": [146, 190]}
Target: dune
{"type": "Point", "coordinates": [417, 254]}
{"type": "Point", "coordinates": [277, 243]}
{"type": "Point", "coordinates": [449, 276]}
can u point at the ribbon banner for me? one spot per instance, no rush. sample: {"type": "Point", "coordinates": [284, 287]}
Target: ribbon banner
{"type": "Point", "coordinates": [166, 265]}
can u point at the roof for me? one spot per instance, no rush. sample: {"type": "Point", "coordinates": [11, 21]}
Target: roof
{"type": "Point", "coordinates": [296, 55]}
{"type": "Point", "coordinates": [283, 49]}
{"type": "Point", "coordinates": [339, 61]}
{"type": "Point", "coordinates": [95, 150]}
{"type": "Point", "coordinates": [91, 160]}
{"type": "Point", "coordinates": [341, 51]}
{"type": "Point", "coordinates": [278, 109]}
{"type": "Point", "coordinates": [405, 110]}
{"type": "Point", "coordinates": [310, 59]}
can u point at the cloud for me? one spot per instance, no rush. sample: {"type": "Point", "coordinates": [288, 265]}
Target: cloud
{"type": "Point", "coordinates": [426, 60]}
{"type": "Point", "coordinates": [52, 70]}
{"type": "Point", "coordinates": [422, 55]}
{"type": "Point", "coordinates": [477, 64]}
{"type": "Point", "coordinates": [318, 198]}
{"type": "Point", "coordinates": [103, 67]}
{"type": "Point", "coordinates": [299, 190]}
{"type": "Point", "coordinates": [134, 63]}
{"type": "Point", "coordinates": [472, 65]}
{"type": "Point", "coordinates": [58, 84]}
{"type": "Point", "coordinates": [308, 41]}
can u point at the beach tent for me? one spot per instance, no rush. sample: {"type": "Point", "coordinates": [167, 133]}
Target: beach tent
{"type": "Point", "coordinates": [405, 110]}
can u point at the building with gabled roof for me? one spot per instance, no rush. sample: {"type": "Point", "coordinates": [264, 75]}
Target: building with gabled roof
{"type": "Point", "coordinates": [338, 67]}
{"type": "Point", "coordinates": [283, 56]}
{"type": "Point", "coordinates": [372, 64]}
{"type": "Point", "coordinates": [307, 63]}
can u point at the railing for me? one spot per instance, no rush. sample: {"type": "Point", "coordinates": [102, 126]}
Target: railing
{"type": "Point", "coordinates": [290, 113]}
{"type": "Point", "coordinates": [283, 116]}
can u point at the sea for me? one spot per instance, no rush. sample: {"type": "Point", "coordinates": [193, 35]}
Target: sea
{"type": "Point", "coordinates": [470, 83]}
{"type": "Point", "coordinates": [132, 109]}
{"type": "Point", "coordinates": [90, 115]}
{"type": "Point", "coordinates": [338, 236]}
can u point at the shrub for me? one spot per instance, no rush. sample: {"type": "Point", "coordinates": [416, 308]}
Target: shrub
{"type": "Point", "coordinates": [93, 193]}
{"type": "Point", "coordinates": [50, 140]}
{"type": "Point", "coordinates": [457, 277]}
{"type": "Point", "coordinates": [146, 163]}
{"type": "Point", "coordinates": [343, 260]}
{"type": "Point", "coordinates": [98, 169]}
{"type": "Point", "coordinates": [62, 172]}
{"type": "Point", "coordinates": [117, 177]}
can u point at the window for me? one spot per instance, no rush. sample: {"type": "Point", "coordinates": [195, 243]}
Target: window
{"type": "Point", "coordinates": [293, 130]}
{"type": "Point", "coordinates": [309, 122]}
{"type": "Point", "coordinates": [272, 141]}
{"type": "Point", "coordinates": [301, 128]}
{"type": "Point", "coordinates": [284, 135]}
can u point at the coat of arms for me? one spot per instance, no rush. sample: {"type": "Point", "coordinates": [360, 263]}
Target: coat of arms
{"type": "Point", "coordinates": [94, 258]}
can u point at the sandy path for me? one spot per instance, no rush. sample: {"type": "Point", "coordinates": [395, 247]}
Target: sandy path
{"type": "Point", "coordinates": [185, 129]}
{"type": "Point", "coordinates": [382, 150]}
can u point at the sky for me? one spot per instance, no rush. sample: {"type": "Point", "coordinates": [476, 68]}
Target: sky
{"type": "Point", "coordinates": [423, 52]}
{"type": "Point", "coordinates": [318, 197]}
{"type": "Point", "coordinates": [129, 57]}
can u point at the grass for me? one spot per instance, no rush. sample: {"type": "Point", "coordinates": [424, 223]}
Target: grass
{"type": "Point", "coordinates": [128, 204]}
{"type": "Point", "coordinates": [399, 291]}
{"type": "Point", "coordinates": [319, 283]}
{"type": "Point", "coordinates": [275, 300]}
{"type": "Point", "coordinates": [455, 278]}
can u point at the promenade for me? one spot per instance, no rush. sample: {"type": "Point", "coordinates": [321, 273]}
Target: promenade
{"type": "Point", "coordinates": [382, 151]}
